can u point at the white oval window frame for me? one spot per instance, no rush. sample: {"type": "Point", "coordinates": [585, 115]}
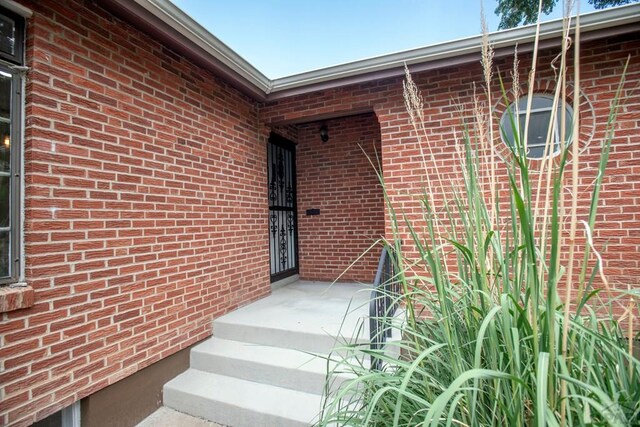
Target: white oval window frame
{"type": "Point", "coordinates": [505, 122]}
{"type": "Point", "coordinates": [586, 132]}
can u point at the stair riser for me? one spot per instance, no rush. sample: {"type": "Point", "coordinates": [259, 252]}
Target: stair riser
{"type": "Point", "coordinates": [292, 378]}
{"type": "Point", "coordinates": [313, 343]}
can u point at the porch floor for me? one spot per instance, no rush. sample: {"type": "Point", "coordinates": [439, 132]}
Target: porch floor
{"type": "Point", "coordinates": [307, 308]}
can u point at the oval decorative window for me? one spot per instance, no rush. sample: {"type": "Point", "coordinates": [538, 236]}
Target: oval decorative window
{"type": "Point", "coordinates": [539, 120]}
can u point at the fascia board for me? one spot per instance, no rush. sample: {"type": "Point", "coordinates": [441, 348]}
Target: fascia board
{"type": "Point", "coordinates": [593, 21]}
{"type": "Point", "coordinates": [456, 51]}
{"type": "Point", "coordinates": [178, 20]}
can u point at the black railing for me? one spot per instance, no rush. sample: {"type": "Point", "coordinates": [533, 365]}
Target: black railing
{"type": "Point", "coordinates": [383, 305]}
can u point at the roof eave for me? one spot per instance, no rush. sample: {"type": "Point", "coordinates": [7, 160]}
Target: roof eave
{"type": "Point", "coordinates": [593, 25]}
{"type": "Point", "coordinates": [163, 19]}
{"type": "Point", "coordinates": [181, 32]}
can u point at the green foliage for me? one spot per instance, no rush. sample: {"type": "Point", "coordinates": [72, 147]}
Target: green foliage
{"type": "Point", "coordinates": [517, 12]}
{"type": "Point", "coordinates": [487, 339]}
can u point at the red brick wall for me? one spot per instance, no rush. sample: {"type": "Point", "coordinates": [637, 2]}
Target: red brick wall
{"type": "Point", "coordinates": [337, 178]}
{"type": "Point", "coordinates": [446, 90]}
{"type": "Point", "coordinates": [145, 208]}
{"type": "Point", "coordinates": [146, 203]}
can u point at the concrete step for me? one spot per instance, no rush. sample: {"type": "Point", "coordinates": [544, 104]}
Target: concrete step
{"type": "Point", "coordinates": [314, 342]}
{"type": "Point", "coordinates": [305, 316]}
{"type": "Point", "coordinates": [282, 367]}
{"type": "Point", "coordinates": [236, 402]}
{"type": "Point", "coordinates": [265, 365]}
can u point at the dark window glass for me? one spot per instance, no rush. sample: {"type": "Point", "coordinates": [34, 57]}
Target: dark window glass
{"type": "Point", "coordinates": [11, 37]}
{"type": "Point", "coordinates": [7, 35]}
{"type": "Point", "coordinates": [5, 95]}
{"type": "Point", "coordinates": [5, 202]}
{"type": "Point", "coordinates": [5, 122]}
{"type": "Point", "coordinates": [5, 148]}
{"type": "Point", "coordinates": [5, 253]}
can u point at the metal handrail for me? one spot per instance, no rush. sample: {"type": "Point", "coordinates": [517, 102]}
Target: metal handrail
{"type": "Point", "coordinates": [383, 305]}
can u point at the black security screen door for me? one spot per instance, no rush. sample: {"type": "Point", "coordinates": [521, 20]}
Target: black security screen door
{"type": "Point", "coordinates": [283, 221]}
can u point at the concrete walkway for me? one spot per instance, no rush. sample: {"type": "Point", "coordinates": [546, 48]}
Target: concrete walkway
{"type": "Point", "coordinates": [166, 417]}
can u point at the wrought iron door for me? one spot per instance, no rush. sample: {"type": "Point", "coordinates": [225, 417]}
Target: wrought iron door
{"type": "Point", "coordinates": [283, 221]}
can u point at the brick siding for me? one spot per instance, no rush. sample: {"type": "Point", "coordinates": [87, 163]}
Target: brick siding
{"type": "Point", "coordinates": [146, 204]}
{"type": "Point", "coordinates": [144, 208]}
{"type": "Point", "coordinates": [337, 178]}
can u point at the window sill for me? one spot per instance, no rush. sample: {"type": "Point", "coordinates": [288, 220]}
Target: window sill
{"type": "Point", "coordinates": [16, 297]}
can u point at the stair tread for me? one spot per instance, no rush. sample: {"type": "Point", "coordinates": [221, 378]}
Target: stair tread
{"type": "Point", "coordinates": [307, 309]}
{"type": "Point", "coordinates": [200, 389]}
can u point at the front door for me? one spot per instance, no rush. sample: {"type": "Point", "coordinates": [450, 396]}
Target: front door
{"type": "Point", "coordinates": [283, 221]}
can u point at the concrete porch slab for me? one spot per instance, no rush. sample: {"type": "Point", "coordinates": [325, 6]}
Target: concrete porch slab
{"type": "Point", "coordinates": [304, 315]}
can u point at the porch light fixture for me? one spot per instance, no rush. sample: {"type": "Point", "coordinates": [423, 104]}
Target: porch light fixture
{"type": "Point", "coordinates": [7, 141]}
{"type": "Point", "coordinates": [324, 133]}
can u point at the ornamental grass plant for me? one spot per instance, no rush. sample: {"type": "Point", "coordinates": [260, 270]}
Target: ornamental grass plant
{"type": "Point", "coordinates": [510, 319]}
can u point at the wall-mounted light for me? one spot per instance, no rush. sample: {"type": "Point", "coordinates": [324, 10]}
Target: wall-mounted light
{"type": "Point", "coordinates": [7, 141]}
{"type": "Point", "coordinates": [324, 133]}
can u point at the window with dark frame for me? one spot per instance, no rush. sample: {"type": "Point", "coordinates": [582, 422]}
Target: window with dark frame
{"type": "Point", "coordinates": [11, 67]}
{"type": "Point", "coordinates": [539, 120]}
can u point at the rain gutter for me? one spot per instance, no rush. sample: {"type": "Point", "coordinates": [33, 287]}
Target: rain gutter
{"type": "Point", "coordinates": [170, 25]}
{"type": "Point", "coordinates": [164, 19]}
